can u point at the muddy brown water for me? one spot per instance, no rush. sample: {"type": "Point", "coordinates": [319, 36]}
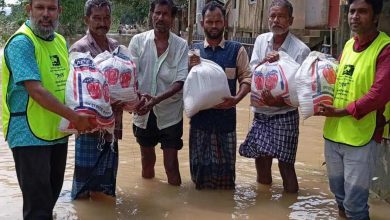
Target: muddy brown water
{"type": "Point", "coordinates": [154, 199]}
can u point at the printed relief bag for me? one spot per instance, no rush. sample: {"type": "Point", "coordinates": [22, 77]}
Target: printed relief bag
{"type": "Point", "coordinates": [278, 78]}
{"type": "Point", "coordinates": [120, 73]}
{"type": "Point", "coordinates": [206, 86]}
{"type": "Point", "coordinates": [315, 82]}
{"type": "Point", "coordinates": [87, 91]}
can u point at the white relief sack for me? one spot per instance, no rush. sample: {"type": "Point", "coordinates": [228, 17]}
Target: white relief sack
{"type": "Point", "coordinates": [120, 73]}
{"type": "Point", "coordinates": [87, 92]}
{"type": "Point", "coordinates": [315, 83]}
{"type": "Point", "coordinates": [278, 78]}
{"type": "Point", "coordinates": [206, 86]}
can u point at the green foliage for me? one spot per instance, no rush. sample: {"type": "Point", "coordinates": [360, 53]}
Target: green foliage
{"type": "Point", "coordinates": [71, 19]}
{"type": "Point", "coordinates": [134, 11]}
{"type": "Point", "coordinates": [130, 12]}
{"type": "Point", "coordinates": [9, 24]}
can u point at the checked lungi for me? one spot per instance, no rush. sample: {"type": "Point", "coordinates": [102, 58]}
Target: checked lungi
{"type": "Point", "coordinates": [212, 159]}
{"type": "Point", "coordinates": [273, 135]}
{"type": "Point", "coordinates": [96, 166]}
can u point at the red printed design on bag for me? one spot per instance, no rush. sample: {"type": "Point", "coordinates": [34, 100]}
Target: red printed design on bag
{"type": "Point", "coordinates": [314, 80]}
{"type": "Point", "coordinates": [111, 74]}
{"type": "Point", "coordinates": [94, 87]}
{"type": "Point", "coordinates": [271, 80]}
{"type": "Point", "coordinates": [314, 86]}
{"type": "Point", "coordinates": [329, 74]}
{"type": "Point", "coordinates": [125, 79]}
{"type": "Point", "coordinates": [106, 92]}
{"type": "Point", "coordinates": [323, 99]}
{"type": "Point", "coordinates": [259, 80]}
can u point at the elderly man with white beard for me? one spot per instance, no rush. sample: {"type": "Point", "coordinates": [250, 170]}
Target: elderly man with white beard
{"type": "Point", "coordinates": [34, 73]}
{"type": "Point", "coordinates": [274, 132]}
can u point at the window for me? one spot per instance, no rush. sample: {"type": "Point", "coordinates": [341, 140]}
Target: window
{"type": "Point", "coordinates": [252, 1]}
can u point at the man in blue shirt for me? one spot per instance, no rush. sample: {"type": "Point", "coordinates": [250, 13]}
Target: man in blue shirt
{"type": "Point", "coordinates": [40, 155]}
{"type": "Point", "coordinates": [213, 131]}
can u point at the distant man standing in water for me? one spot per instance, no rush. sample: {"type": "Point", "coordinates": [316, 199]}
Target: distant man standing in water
{"type": "Point", "coordinates": [354, 125]}
{"type": "Point", "coordinates": [275, 129]}
{"type": "Point", "coordinates": [162, 60]}
{"type": "Point", "coordinates": [34, 73]}
{"type": "Point", "coordinates": [213, 138]}
{"type": "Point", "coordinates": [96, 166]}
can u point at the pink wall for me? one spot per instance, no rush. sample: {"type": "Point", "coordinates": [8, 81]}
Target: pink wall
{"type": "Point", "coordinates": [334, 13]}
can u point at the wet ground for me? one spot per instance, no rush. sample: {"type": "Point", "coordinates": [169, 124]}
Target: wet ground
{"type": "Point", "coordinates": [138, 198]}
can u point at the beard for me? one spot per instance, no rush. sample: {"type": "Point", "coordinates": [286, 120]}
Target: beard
{"type": "Point", "coordinates": [278, 30]}
{"type": "Point", "coordinates": [214, 36]}
{"type": "Point", "coordinates": [161, 27]}
{"type": "Point", "coordinates": [41, 31]}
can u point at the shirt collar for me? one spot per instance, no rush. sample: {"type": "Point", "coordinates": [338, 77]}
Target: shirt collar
{"type": "Point", "coordinates": [361, 45]}
{"type": "Point", "coordinates": [152, 36]}
{"type": "Point", "coordinates": [285, 44]}
{"type": "Point", "coordinates": [90, 39]}
{"type": "Point", "coordinates": [221, 44]}
{"type": "Point", "coordinates": [93, 43]}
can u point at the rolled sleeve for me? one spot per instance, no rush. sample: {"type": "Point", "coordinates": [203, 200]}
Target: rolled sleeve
{"type": "Point", "coordinates": [351, 109]}
{"type": "Point", "coordinates": [257, 55]}
{"type": "Point", "coordinates": [133, 48]}
{"type": "Point", "coordinates": [182, 66]}
{"type": "Point", "coordinates": [378, 95]}
{"type": "Point", "coordinates": [243, 70]}
{"type": "Point", "coordinates": [20, 58]}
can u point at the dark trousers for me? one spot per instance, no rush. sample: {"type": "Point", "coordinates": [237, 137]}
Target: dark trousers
{"type": "Point", "coordinates": [40, 171]}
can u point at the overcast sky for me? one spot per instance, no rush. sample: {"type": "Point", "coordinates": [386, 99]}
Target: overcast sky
{"type": "Point", "coordinates": [10, 1]}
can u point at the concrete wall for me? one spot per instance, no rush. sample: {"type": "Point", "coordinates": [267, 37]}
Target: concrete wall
{"type": "Point", "coordinates": [385, 17]}
{"type": "Point", "coordinates": [307, 14]}
{"type": "Point", "coordinates": [299, 13]}
{"type": "Point", "coordinates": [316, 13]}
{"type": "Point", "coordinates": [199, 6]}
{"type": "Point", "coordinates": [381, 180]}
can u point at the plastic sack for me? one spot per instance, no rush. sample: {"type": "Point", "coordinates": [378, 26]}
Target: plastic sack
{"type": "Point", "coordinates": [87, 91]}
{"type": "Point", "coordinates": [278, 78]}
{"type": "Point", "coordinates": [120, 72]}
{"type": "Point", "coordinates": [315, 80]}
{"type": "Point", "coordinates": [206, 86]}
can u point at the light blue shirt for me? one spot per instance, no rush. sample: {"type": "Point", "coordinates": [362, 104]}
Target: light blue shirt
{"type": "Point", "coordinates": [156, 74]}
{"type": "Point", "coordinates": [20, 57]}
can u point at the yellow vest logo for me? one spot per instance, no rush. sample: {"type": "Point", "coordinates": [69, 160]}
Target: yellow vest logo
{"type": "Point", "coordinates": [55, 60]}
{"type": "Point", "coordinates": [348, 70]}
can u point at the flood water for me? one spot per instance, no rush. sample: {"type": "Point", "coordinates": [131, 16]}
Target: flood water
{"type": "Point", "coordinates": [138, 198]}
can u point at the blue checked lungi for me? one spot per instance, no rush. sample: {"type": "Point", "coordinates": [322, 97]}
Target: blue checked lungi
{"type": "Point", "coordinates": [212, 159]}
{"type": "Point", "coordinates": [273, 135]}
{"type": "Point", "coordinates": [96, 166]}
